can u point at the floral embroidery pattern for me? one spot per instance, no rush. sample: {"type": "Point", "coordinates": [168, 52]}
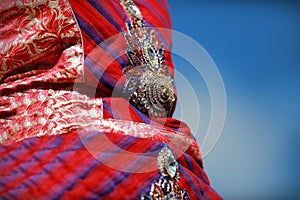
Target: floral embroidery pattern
{"type": "Point", "coordinates": [42, 44]}
{"type": "Point", "coordinates": [47, 112]}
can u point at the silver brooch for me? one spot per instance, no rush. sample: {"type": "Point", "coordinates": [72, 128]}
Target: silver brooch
{"type": "Point", "coordinates": [148, 86]}
{"type": "Point", "coordinates": [167, 187]}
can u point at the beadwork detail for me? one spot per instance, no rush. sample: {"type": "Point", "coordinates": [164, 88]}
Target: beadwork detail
{"type": "Point", "coordinates": [148, 85]}
{"type": "Point", "coordinates": [167, 187]}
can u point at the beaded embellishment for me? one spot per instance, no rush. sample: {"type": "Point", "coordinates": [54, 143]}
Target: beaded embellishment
{"type": "Point", "coordinates": [148, 85]}
{"type": "Point", "coordinates": [167, 187]}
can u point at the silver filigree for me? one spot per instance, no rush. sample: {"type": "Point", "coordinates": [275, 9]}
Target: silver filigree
{"type": "Point", "coordinates": [131, 8]}
{"type": "Point", "coordinates": [148, 86]}
{"type": "Point", "coordinates": [167, 163]}
{"type": "Point", "coordinates": [167, 187]}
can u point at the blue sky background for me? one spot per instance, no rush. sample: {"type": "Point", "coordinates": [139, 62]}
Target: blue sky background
{"type": "Point", "coordinates": [256, 47]}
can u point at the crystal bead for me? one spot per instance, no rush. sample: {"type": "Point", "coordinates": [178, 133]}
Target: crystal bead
{"type": "Point", "coordinates": [133, 9]}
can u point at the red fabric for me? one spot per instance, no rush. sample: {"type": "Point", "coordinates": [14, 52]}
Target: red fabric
{"type": "Point", "coordinates": [35, 45]}
{"type": "Point", "coordinates": [104, 19]}
{"type": "Point", "coordinates": [42, 51]}
{"type": "Point", "coordinates": [40, 55]}
{"type": "Point", "coordinates": [61, 167]}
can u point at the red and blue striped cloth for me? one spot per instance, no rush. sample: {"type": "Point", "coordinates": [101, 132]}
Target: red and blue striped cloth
{"type": "Point", "coordinates": [61, 166]}
{"type": "Point", "coordinates": [101, 20]}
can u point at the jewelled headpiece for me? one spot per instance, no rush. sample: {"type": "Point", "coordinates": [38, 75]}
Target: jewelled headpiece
{"type": "Point", "coordinates": [149, 87]}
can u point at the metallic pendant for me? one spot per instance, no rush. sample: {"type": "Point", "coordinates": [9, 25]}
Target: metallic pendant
{"type": "Point", "coordinates": [167, 187]}
{"type": "Point", "coordinates": [148, 86]}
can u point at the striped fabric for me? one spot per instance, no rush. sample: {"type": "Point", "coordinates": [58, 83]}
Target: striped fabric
{"type": "Point", "coordinates": [61, 167]}
{"type": "Point", "coordinates": [64, 166]}
{"type": "Point", "coordinates": [100, 20]}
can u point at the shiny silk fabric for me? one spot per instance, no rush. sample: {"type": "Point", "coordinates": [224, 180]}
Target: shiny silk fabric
{"type": "Point", "coordinates": [57, 114]}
